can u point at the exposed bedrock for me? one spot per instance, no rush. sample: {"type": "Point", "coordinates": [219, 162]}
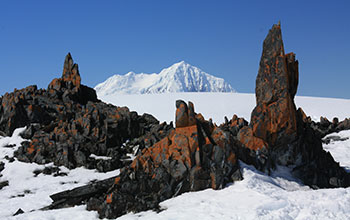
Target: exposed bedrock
{"type": "Point", "coordinates": [280, 134]}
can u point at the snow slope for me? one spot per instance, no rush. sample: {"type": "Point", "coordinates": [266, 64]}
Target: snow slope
{"type": "Point", "coordinates": [258, 196]}
{"type": "Point", "coordinates": [180, 77]}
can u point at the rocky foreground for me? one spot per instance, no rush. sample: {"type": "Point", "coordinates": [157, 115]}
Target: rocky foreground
{"type": "Point", "coordinates": [68, 125]}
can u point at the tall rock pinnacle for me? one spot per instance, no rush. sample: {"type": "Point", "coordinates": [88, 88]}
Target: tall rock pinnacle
{"type": "Point", "coordinates": [69, 87]}
{"type": "Point", "coordinates": [71, 71]}
{"type": "Point", "coordinates": [273, 120]}
{"type": "Point", "coordinates": [278, 133]}
{"type": "Point", "coordinates": [274, 117]}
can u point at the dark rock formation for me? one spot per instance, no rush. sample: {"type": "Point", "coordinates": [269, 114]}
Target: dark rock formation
{"type": "Point", "coordinates": [195, 156]}
{"type": "Point", "coordinates": [67, 123]}
{"type": "Point", "coordinates": [3, 184]}
{"type": "Point", "coordinates": [2, 166]}
{"type": "Point", "coordinates": [325, 127]}
{"type": "Point", "coordinates": [80, 194]}
{"type": "Point", "coordinates": [280, 134]}
{"type": "Point", "coordinates": [273, 122]}
{"type": "Point", "coordinates": [69, 87]}
{"type": "Point", "coordinates": [56, 171]}
{"type": "Point", "coordinates": [18, 212]}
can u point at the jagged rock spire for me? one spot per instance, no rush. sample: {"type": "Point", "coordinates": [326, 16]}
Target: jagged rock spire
{"type": "Point", "coordinates": [278, 133]}
{"type": "Point", "coordinates": [274, 117]}
{"type": "Point", "coordinates": [71, 71]}
{"type": "Point", "coordinates": [278, 73]}
{"type": "Point", "coordinates": [273, 123]}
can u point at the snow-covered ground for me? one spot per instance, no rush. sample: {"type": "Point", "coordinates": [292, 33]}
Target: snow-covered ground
{"type": "Point", "coordinates": [219, 105]}
{"type": "Point", "coordinates": [31, 193]}
{"type": "Point", "coordinates": [258, 196]}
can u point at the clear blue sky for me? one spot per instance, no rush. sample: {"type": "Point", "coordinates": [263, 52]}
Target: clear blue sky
{"type": "Point", "coordinates": [223, 38]}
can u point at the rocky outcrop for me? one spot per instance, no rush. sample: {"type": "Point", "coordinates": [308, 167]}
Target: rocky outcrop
{"type": "Point", "coordinates": [325, 127]}
{"type": "Point", "coordinates": [69, 87]}
{"type": "Point", "coordinates": [67, 124]}
{"type": "Point", "coordinates": [195, 156]}
{"type": "Point", "coordinates": [280, 134]}
{"type": "Point", "coordinates": [80, 194]}
{"type": "Point", "coordinates": [273, 123]}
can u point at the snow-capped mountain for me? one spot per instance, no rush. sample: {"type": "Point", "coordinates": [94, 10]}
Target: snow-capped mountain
{"type": "Point", "coordinates": [180, 77]}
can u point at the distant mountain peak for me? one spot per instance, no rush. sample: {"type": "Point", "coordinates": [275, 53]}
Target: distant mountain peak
{"type": "Point", "coordinates": [182, 62]}
{"type": "Point", "coordinates": [179, 77]}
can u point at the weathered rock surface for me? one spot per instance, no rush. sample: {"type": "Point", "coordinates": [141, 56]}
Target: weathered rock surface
{"type": "Point", "coordinates": [78, 195]}
{"type": "Point", "coordinates": [280, 134]}
{"type": "Point", "coordinates": [66, 124]}
{"type": "Point", "coordinates": [273, 122]}
{"type": "Point", "coordinates": [325, 127]}
{"type": "Point", "coordinates": [195, 156]}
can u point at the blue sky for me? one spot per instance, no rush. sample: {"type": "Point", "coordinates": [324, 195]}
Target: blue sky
{"type": "Point", "coordinates": [222, 37]}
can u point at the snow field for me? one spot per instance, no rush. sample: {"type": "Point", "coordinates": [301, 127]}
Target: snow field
{"type": "Point", "coordinates": [219, 105]}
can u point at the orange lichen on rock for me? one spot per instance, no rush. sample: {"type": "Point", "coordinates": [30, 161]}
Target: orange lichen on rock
{"type": "Point", "coordinates": [246, 137]}
{"type": "Point", "coordinates": [109, 198]}
{"type": "Point", "coordinates": [31, 148]}
{"type": "Point", "coordinates": [274, 119]}
{"type": "Point", "coordinates": [71, 71]}
{"type": "Point", "coordinates": [116, 180]}
{"type": "Point", "coordinates": [181, 153]}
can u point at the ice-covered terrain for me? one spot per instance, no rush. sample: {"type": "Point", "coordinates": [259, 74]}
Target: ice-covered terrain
{"type": "Point", "coordinates": [258, 196]}
{"type": "Point", "coordinates": [180, 77]}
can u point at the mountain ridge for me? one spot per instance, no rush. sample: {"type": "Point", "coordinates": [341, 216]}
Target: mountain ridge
{"type": "Point", "coordinates": [180, 77]}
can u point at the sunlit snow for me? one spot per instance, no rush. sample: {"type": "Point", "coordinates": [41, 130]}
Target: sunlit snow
{"type": "Point", "coordinates": [219, 105]}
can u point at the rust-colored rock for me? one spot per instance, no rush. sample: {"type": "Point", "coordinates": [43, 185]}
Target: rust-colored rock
{"type": "Point", "coordinates": [71, 71]}
{"type": "Point", "coordinates": [277, 132]}
{"type": "Point", "coordinates": [274, 118]}
{"type": "Point", "coordinates": [247, 138]}
{"type": "Point", "coordinates": [181, 116]}
{"type": "Point", "coordinates": [195, 156]}
{"type": "Point", "coordinates": [69, 87]}
{"type": "Point", "coordinates": [273, 124]}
